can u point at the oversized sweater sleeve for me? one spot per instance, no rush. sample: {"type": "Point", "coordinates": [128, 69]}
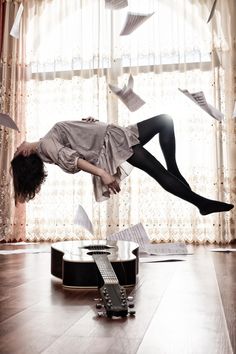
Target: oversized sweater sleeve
{"type": "Point", "coordinates": [52, 151]}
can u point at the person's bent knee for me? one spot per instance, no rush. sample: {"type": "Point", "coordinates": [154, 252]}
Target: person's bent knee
{"type": "Point", "coordinates": [166, 119]}
{"type": "Point", "coordinates": [166, 116]}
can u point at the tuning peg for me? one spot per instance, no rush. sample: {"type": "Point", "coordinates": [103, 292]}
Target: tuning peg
{"type": "Point", "coordinates": [130, 298]}
{"type": "Point", "coordinates": [131, 306]}
{"type": "Point", "coordinates": [132, 312]}
{"type": "Point", "coordinates": [100, 313]}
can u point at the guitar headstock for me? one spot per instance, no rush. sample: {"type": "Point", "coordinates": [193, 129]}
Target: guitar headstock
{"type": "Point", "coordinates": [114, 300]}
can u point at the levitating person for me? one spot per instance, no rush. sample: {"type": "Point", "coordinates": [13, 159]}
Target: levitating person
{"type": "Point", "coordinates": [101, 150]}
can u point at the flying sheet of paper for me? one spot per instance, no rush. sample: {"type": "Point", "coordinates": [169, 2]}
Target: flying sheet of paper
{"type": "Point", "coordinates": [135, 233]}
{"type": "Point", "coordinates": [25, 250]}
{"type": "Point", "coordinates": [15, 30]}
{"type": "Point", "coordinates": [165, 249]}
{"type": "Point", "coordinates": [226, 250]}
{"type": "Point", "coordinates": [82, 219]}
{"type": "Point", "coordinates": [234, 112]}
{"type": "Point", "coordinates": [132, 101]}
{"type": "Point", "coordinates": [116, 4]}
{"type": "Point", "coordinates": [7, 121]}
{"type": "Point", "coordinates": [133, 21]}
{"type": "Point", "coordinates": [200, 100]}
{"type": "Point", "coordinates": [212, 11]}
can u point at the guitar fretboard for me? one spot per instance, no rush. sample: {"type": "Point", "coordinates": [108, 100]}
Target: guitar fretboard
{"type": "Point", "coordinates": [105, 268]}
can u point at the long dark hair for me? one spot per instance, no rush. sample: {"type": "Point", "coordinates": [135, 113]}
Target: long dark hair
{"type": "Point", "coordinates": [28, 175]}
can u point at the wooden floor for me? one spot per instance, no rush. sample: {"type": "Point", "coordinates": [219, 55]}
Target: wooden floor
{"type": "Point", "coordinates": [181, 307]}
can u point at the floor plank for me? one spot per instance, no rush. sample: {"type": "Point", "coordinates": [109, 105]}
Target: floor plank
{"type": "Point", "coordinates": [190, 318]}
{"type": "Point", "coordinates": [225, 266]}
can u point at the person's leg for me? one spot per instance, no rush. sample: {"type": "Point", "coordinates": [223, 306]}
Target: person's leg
{"type": "Point", "coordinates": [162, 125]}
{"type": "Point", "coordinates": [145, 161]}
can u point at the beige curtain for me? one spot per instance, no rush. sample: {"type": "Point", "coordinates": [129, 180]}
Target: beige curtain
{"type": "Point", "coordinates": [73, 51]}
{"type": "Point", "coordinates": [12, 220]}
{"type": "Point", "coordinates": [224, 50]}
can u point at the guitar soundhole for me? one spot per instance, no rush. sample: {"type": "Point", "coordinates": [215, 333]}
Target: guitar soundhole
{"type": "Point", "coordinates": [97, 247]}
{"type": "Point", "coordinates": [98, 252]}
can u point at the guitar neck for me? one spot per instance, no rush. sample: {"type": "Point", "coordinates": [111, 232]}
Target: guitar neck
{"type": "Point", "coordinates": [105, 268]}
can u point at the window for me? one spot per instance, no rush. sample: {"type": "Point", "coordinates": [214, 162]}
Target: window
{"type": "Point", "coordinates": [73, 51]}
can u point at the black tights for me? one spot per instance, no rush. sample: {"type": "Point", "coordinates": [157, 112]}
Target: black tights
{"type": "Point", "coordinates": [170, 179]}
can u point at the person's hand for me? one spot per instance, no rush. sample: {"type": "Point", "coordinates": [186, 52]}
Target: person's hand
{"type": "Point", "coordinates": [24, 149]}
{"type": "Point", "coordinates": [110, 182]}
{"type": "Point", "coordinates": [89, 120]}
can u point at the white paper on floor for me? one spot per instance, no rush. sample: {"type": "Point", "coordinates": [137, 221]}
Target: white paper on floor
{"type": "Point", "coordinates": [25, 250]}
{"type": "Point", "coordinates": [151, 252]}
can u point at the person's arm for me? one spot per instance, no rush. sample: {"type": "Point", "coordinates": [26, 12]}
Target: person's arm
{"type": "Point", "coordinates": [106, 178]}
{"type": "Point", "coordinates": [26, 148]}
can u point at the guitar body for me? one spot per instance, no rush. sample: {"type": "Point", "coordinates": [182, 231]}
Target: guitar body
{"type": "Point", "coordinates": [72, 261]}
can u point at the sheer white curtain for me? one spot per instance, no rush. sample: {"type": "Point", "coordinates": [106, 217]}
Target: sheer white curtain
{"type": "Point", "coordinates": [73, 52]}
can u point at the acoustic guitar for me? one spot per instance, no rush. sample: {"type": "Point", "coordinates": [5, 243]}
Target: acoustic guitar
{"type": "Point", "coordinates": [108, 265]}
